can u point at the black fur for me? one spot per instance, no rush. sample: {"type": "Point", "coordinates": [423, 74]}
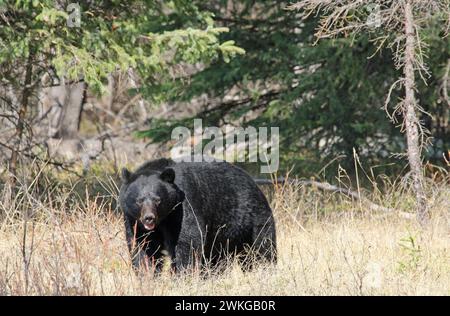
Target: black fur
{"type": "Point", "coordinates": [205, 211]}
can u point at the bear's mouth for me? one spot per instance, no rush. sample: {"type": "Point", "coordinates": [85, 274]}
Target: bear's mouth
{"type": "Point", "coordinates": [149, 225]}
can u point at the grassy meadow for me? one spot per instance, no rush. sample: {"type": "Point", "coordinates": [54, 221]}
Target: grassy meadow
{"type": "Point", "coordinates": [69, 239]}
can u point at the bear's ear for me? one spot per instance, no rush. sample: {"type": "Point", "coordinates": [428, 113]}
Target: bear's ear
{"type": "Point", "coordinates": [126, 175]}
{"type": "Point", "coordinates": [168, 175]}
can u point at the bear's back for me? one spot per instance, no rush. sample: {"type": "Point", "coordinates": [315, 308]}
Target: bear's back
{"type": "Point", "coordinates": [216, 190]}
{"type": "Point", "coordinates": [220, 194]}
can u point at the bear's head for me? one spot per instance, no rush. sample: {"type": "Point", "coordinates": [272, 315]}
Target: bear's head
{"type": "Point", "coordinates": [149, 197]}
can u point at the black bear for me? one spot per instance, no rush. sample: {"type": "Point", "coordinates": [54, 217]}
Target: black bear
{"type": "Point", "coordinates": [198, 213]}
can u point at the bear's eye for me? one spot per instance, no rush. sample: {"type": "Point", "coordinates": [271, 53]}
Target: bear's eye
{"type": "Point", "coordinates": [139, 201]}
{"type": "Point", "coordinates": [157, 200]}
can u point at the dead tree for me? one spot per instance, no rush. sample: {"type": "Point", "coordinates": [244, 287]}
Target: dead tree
{"type": "Point", "coordinates": [399, 22]}
{"type": "Point", "coordinates": [411, 120]}
{"type": "Point", "coordinates": [70, 114]}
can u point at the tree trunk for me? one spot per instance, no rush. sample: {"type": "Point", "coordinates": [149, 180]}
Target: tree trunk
{"type": "Point", "coordinates": [410, 118]}
{"type": "Point", "coordinates": [70, 116]}
{"type": "Point", "coordinates": [141, 103]}
{"type": "Point", "coordinates": [26, 93]}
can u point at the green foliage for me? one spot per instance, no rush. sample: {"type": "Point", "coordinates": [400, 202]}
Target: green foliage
{"type": "Point", "coordinates": [431, 94]}
{"type": "Point", "coordinates": [326, 97]}
{"type": "Point", "coordinates": [113, 35]}
{"type": "Point", "coordinates": [328, 92]}
{"type": "Point", "coordinates": [412, 254]}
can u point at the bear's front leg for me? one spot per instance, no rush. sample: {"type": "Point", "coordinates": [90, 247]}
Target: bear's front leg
{"type": "Point", "coordinates": [139, 259]}
{"type": "Point", "coordinates": [135, 243]}
{"type": "Point", "coordinates": [154, 252]}
{"type": "Point", "coordinates": [147, 257]}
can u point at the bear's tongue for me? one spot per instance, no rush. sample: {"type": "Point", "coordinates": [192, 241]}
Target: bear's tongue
{"type": "Point", "coordinates": [150, 226]}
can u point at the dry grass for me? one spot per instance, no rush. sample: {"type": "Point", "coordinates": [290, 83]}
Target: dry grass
{"type": "Point", "coordinates": [327, 246]}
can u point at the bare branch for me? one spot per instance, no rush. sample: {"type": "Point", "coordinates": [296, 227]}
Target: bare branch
{"type": "Point", "coordinates": [333, 188]}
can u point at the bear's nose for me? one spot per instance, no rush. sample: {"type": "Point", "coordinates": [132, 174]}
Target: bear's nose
{"type": "Point", "coordinates": [149, 218]}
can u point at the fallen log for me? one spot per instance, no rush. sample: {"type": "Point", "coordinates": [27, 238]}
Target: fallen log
{"type": "Point", "coordinates": [333, 188]}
